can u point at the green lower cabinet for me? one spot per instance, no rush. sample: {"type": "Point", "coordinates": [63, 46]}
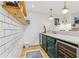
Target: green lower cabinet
{"type": "Point", "coordinates": [51, 52]}
{"type": "Point", "coordinates": [44, 42]}
{"type": "Point", "coordinates": [51, 47]}
{"type": "Point", "coordinates": [40, 39]}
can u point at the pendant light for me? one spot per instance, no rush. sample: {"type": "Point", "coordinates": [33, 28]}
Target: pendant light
{"type": "Point", "coordinates": [65, 9]}
{"type": "Point", "coordinates": [51, 17]}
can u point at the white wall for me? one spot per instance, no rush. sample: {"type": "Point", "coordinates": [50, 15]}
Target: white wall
{"type": "Point", "coordinates": [32, 31]}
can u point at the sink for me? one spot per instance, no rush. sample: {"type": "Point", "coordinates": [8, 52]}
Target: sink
{"type": "Point", "coordinates": [52, 32]}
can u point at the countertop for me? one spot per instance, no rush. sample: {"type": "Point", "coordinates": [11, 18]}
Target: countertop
{"type": "Point", "coordinates": [68, 38]}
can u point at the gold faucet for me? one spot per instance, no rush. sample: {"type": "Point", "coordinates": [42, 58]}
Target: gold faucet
{"type": "Point", "coordinates": [44, 29]}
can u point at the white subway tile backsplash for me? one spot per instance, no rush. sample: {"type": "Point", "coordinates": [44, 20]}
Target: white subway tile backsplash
{"type": "Point", "coordinates": [1, 17]}
{"type": "Point", "coordinates": [1, 33]}
{"type": "Point", "coordinates": [2, 48]}
{"type": "Point", "coordinates": [1, 25]}
{"type": "Point", "coordinates": [9, 41]}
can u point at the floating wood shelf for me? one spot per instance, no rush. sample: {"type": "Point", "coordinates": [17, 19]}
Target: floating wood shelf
{"type": "Point", "coordinates": [16, 11]}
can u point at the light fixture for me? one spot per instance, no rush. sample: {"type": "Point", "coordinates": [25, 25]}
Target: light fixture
{"type": "Point", "coordinates": [33, 6]}
{"type": "Point", "coordinates": [51, 17]}
{"type": "Point", "coordinates": [65, 9]}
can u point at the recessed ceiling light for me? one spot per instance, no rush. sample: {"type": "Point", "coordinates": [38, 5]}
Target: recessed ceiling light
{"type": "Point", "coordinates": [33, 6]}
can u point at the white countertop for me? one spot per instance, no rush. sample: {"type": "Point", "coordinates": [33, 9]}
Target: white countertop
{"type": "Point", "coordinates": [68, 38]}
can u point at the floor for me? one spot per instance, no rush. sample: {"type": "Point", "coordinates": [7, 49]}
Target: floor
{"type": "Point", "coordinates": [31, 48]}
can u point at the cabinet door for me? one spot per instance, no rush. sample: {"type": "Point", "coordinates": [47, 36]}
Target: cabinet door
{"type": "Point", "coordinates": [51, 49]}
{"type": "Point", "coordinates": [40, 39]}
{"type": "Point", "coordinates": [44, 42]}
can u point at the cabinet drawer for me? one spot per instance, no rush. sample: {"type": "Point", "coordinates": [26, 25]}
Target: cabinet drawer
{"type": "Point", "coordinates": [66, 50]}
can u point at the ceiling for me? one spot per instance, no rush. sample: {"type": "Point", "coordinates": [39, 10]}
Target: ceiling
{"type": "Point", "coordinates": [44, 6]}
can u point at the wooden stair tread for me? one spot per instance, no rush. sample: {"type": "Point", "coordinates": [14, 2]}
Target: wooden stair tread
{"type": "Point", "coordinates": [16, 12]}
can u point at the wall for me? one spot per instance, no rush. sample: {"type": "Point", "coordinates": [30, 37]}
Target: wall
{"type": "Point", "coordinates": [31, 35]}
{"type": "Point", "coordinates": [11, 33]}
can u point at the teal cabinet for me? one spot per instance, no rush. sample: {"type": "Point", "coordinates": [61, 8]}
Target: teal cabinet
{"type": "Point", "coordinates": [44, 42]}
{"type": "Point", "coordinates": [49, 45]}
{"type": "Point", "coordinates": [40, 39]}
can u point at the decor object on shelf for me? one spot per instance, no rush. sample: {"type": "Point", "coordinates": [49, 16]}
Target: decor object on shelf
{"type": "Point", "coordinates": [74, 24]}
{"type": "Point", "coordinates": [76, 20]}
{"type": "Point", "coordinates": [56, 21]}
{"type": "Point", "coordinates": [65, 9]}
{"type": "Point", "coordinates": [51, 17]}
{"type": "Point", "coordinates": [65, 20]}
{"type": "Point", "coordinates": [28, 21]}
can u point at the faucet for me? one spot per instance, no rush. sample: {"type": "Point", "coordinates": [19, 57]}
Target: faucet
{"type": "Point", "coordinates": [44, 28]}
